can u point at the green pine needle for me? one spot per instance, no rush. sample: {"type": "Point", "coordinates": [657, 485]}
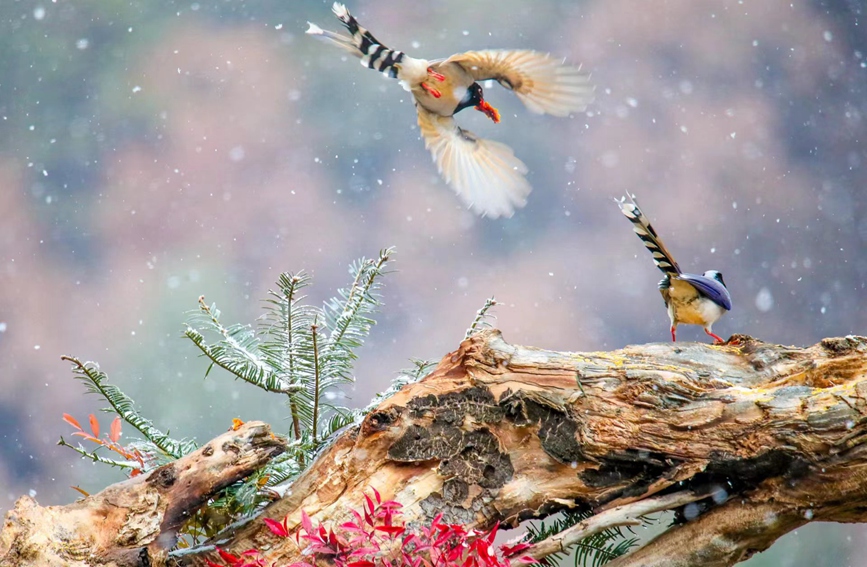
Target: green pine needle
{"type": "Point", "coordinates": [96, 382]}
{"type": "Point", "coordinates": [295, 350]}
{"type": "Point", "coordinates": [93, 456]}
{"type": "Point", "coordinates": [592, 551]}
{"type": "Point", "coordinates": [480, 321]}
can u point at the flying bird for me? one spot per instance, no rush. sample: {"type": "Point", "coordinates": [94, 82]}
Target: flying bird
{"type": "Point", "coordinates": [485, 174]}
{"type": "Point", "coordinates": [691, 299]}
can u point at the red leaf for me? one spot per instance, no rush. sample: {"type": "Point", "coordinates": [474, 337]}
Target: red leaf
{"type": "Point", "coordinates": [71, 421]}
{"type": "Point", "coordinates": [332, 539]}
{"type": "Point", "coordinates": [114, 434]}
{"type": "Point", "coordinates": [514, 549]}
{"type": "Point", "coordinates": [370, 505]}
{"type": "Point", "coordinates": [306, 523]}
{"type": "Point", "coordinates": [390, 530]}
{"type": "Point", "coordinates": [321, 548]}
{"type": "Point", "coordinates": [212, 564]}
{"type": "Point", "coordinates": [376, 494]}
{"type": "Point", "coordinates": [362, 563]}
{"type": "Point", "coordinates": [233, 560]}
{"type": "Point", "coordinates": [275, 527]}
{"type": "Point", "coordinates": [94, 425]}
{"type": "Point", "coordinates": [493, 532]}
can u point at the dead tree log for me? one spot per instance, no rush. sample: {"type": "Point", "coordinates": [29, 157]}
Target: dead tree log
{"type": "Point", "coordinates": [745, 441]}
{"type": "Point", "coordinates": [761, 438]}
{"type": "Point", "coordinates": [133, 523]}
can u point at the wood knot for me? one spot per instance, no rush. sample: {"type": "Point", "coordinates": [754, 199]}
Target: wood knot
{"type": "Point", "coordinates": [208, 451]}
{"type": "Point", "coordinates": [380, 420]}
{"type": "Point", "coordinates": [229, 446]}
{"type": "Point", "coordinates": [164, 477]}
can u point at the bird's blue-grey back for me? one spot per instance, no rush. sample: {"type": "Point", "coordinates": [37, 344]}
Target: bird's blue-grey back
{"type": "Point", "coordinates": [710, 288]}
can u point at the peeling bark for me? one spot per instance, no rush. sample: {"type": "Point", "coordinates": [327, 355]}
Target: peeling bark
{"type": "Point", "coordinates": [759, 438]}
{"type": "Point", "coordinates": [507, 433]}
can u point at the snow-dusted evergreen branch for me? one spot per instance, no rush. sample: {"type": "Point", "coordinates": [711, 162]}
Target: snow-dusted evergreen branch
{"type": "Point", "coordinates": [297, 350]}
{"type": "Point", "coordinates": [97, 383]}
{"type": "Point", "coordinates": [131, 465]}
{"type": "Point", "coordinates": [348, 320]}
{"type": "Point", "coordinates": [480, 321]}
{"type": "Point", "coordinates": [592, 551]}
{"type": "Point", "coordinates": [317, 391]}
{"type": "Point", "coordinates": [287, 317]}
{"type": "Point", "coordinates": [238, 352]}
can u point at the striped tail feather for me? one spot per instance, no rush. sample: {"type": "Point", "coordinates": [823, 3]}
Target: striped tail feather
{"type": "Point", "coordinates": [362, 44]}
{"type": "Point", "coordinates": [661, 256]}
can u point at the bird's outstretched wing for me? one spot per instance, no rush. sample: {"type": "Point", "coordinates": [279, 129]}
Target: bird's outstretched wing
{"type": "Point", "coordinates": [545, 85]}
{"type": "Point", "coordinates": [485, 174]}
{"type": "Point", "coordinates": [709, 288]}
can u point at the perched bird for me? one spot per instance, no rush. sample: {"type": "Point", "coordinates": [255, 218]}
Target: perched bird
{"type": "Point", "coordinates": [690, 299]}
{"type": "Point", "coordinates": [485, 174]}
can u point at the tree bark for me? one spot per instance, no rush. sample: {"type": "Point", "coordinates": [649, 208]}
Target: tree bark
{"type": "Point", "coordinates": [135, 522]}
{"type": "Point", "coordinates": [745, 441]}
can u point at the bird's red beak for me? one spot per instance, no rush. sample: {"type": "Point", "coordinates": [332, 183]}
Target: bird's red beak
{"type": "Point", "coordinates": [489, 111]}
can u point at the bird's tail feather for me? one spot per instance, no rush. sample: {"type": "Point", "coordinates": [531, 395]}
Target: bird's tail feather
{"type": "Point", "coordinates": [661, 256]}
{"type": "Point", "coordinates": [361, 43]}
{"type": "Point", "coordinates": [341, 41]}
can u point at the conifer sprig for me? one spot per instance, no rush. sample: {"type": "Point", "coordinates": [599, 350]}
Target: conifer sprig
{"type": "Point", "coordinates": [299, 350]}
{"type": "Point", "coordinates": [96, 382]}
{"type": "Point", "coordinates": [237, 352]}
{"type": "Point", "coordinates": [481, 320]}
{"type": "Point", "coordinates": [93, 456]}
{"type": "Point", "coordinates": [593, 551]}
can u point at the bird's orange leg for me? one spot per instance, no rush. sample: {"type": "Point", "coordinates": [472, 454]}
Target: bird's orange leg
{"type": "Point", "coordinates": [433, 92]}
{"type": "Point", "coordinates": [718, 340]}
{"type": "Point", "coordinates": [674, 334]}
{"type": "Point", "coordinates": [439, 77]}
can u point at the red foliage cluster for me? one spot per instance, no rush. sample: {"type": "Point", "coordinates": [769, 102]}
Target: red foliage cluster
{"type": "Point", "coordinates": [111, 442]}
{"type": "Point", "coordinates": [377, 538]}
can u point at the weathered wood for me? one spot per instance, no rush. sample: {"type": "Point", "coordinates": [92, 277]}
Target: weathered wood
{"type": "Point", "coordinates": [133, 523]}
{"type": "Point", "coordinates": [774, 435]}
{"type": "Point", "coordinates": [501, 432]}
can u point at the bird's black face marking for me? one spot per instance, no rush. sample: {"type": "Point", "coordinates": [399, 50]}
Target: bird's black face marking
{"type": "Point", "coordinates": [473, 97]}
{"type": "Point", "coordinates": [713, 274]}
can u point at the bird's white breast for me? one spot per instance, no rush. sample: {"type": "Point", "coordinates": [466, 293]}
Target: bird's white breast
{"type": "Point", "coordinates": [689, 307]}
{"type": "Point", "coordinates": [460, 93]}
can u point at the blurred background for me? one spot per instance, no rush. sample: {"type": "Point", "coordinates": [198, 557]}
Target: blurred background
{"type": "Point", "coordinates": [153, 150]}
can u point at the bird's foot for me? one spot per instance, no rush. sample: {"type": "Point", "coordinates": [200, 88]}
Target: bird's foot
{"type": "Point", "coordinates": [717, 339]}
{"type": "Point", "coordinates": [433, 92]}
{"type": "Point", "coordinates": [674, 334]}
{"type": "Point", "coordinates": [439, 77]}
